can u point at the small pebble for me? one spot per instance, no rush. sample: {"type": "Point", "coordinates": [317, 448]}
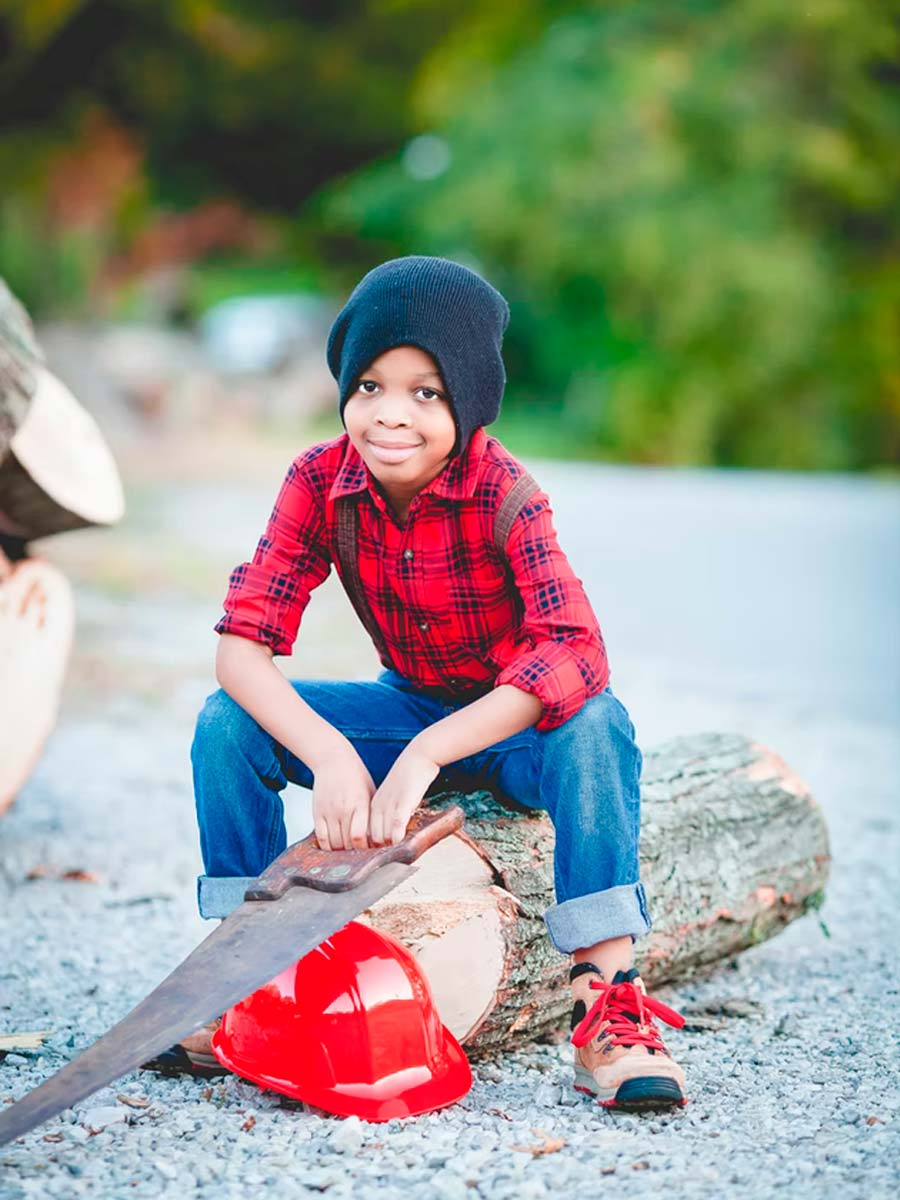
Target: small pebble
{"type": "Point", "coordinates": [348, 1136]}
{"type": "Point", "coordinates": [96, 1119]}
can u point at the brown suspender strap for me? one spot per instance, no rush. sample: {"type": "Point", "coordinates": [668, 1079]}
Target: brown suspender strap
{"type": "Point", "coordinates": [347, 536]}
{"type": "Point", "coordinates": [513, 503]}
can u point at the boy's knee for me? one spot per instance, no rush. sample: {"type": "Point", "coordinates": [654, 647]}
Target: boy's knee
{"type": "Point", "coordinates": [601, 717]}
{"type": "Point", "coordinates": [221, 719]}
{"type": "Point", "coordinates": [601, 725]}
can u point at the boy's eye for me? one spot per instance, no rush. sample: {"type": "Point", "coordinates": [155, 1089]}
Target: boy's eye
{"type": "Point", "coordinates": [429, 393]}
{"type": "Point", "coordinates": [365, 384]}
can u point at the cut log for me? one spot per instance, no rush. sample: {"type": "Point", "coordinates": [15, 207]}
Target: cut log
{"type": "Point", "coordinates": [56, 470]}
{"type": "Point", "coordinates": [58, 473]}
{"type": "Point", "coordinates": [733, 847]}
{"type": "Point", "coordinates": [37, 619]}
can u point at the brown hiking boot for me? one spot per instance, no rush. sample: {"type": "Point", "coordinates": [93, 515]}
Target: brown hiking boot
{"type": "Point", "coordinates": [191, 1056]}
{"type": "Point", "coordinates": [619, 1055]}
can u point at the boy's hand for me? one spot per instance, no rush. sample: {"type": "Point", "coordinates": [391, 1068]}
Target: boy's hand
{"type": "Point", "coordinates": [400, 795]}
{"type": "Point", "coordinates": [342, 790]}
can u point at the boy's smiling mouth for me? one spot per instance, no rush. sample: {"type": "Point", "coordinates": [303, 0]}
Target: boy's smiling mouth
{"type": "Point", "coordinates": [391, 451]}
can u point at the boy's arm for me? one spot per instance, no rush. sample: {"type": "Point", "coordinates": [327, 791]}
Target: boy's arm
{"type": "Point", "coordinates": [267, 595]}
{"type": "Point", "coordinates": [342, 786]}
{"type": "Point", "coordinates": [247, 673]}
{"type": "Point", "coordinates": [562, 660]}
{"type": "Point", "coordinates": [498, 715]}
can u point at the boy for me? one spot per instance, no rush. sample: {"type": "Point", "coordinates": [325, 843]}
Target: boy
{"type": "Point", "coordinates": [495, 668]}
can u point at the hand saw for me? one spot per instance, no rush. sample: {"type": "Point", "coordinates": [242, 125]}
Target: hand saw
{"type": "Point", "coordinates": [302, 898]}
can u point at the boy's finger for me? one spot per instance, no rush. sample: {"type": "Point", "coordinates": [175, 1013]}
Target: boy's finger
{"type": "Point", "coordinates": [347, 830]}
{"type": "Point", "coordinates": [322, 835]}
{"type": "Point", "coordinates": [398, 828]}
{"type": "Point", "coordinates": [341, 824]}
{"type": "Point", "coordinates": [336, 834]}
{"type": "Point", "coordinates": [376, 827]}
{"type": "Point", "coordinates": [358, 839]}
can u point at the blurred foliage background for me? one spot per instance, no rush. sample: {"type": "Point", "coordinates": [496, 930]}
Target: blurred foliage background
{"type": "Point", "coordinates": [692, 208]}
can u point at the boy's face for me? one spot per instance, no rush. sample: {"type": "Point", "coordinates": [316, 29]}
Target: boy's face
{"type": "Point", "coordinates": [400, 420]}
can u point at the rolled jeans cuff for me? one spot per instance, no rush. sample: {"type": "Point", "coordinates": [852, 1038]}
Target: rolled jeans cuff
{"type": "Point", "coordinates": [219, 895]}
{"type": "Point", "coordinates": [586, 920]}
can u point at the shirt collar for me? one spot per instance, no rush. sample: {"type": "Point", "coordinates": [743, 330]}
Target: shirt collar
{"type": "Point", "coordinates": [457, 481]}
{"type": "Point", "coordinates": [352, 473]}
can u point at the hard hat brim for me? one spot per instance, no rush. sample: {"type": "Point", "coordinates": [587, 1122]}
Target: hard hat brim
{"type": "Point", "coordinates": [407, 1093]}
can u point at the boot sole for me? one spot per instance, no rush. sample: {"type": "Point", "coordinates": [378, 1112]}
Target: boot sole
{"type": "Point", "coordinates": [640, 1094]}
{"type": "Point", "coordinates": [178, 1061]}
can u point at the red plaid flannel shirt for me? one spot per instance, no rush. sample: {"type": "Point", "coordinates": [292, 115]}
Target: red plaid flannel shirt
{"type": "Point", "coordinates": [451, 612]}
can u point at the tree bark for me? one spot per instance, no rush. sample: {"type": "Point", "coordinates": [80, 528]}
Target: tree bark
{"type": "Point", "coordinates": [733, 847]}
{"type": "Point", "coordinates": [19, 355]}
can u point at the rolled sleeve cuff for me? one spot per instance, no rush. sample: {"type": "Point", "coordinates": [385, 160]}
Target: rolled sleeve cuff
{"type": "Point", "coordinates": [278, 642]}
{"type": "Point", "coordinates": [219, 895]}
{"type": "Point", "coordinates": [553, 675]}
{"type": "Point", "coordinates": [586, 920]}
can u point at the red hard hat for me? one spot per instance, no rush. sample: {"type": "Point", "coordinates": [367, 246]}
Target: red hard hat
{"type": "Point", "coordinates": [350, 1028]}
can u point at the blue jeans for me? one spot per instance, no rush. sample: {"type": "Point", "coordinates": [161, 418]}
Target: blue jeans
{"type": "Point", "coordinates": [585, 773]}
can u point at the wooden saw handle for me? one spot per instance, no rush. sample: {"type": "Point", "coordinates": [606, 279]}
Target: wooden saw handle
{"type": "Point", "coordinates": [305, 864]}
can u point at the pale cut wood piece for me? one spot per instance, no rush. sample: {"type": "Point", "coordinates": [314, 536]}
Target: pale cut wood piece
{"type": "Point", "coordinates": [31, 1040]}
{"type": "Point", "coordinates": [37, 620]}
{"type": "Point", "coordinates": [59, 473]}
{"type": "Point", "coordinates": [733, 848]}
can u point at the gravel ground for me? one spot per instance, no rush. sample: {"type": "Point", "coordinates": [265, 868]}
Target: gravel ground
{"type": "Point", "coordinates": [763, 603]}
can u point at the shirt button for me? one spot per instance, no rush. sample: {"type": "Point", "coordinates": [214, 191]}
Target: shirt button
{"type": "Point", "coordinates": [407, 554]}
{"type": "Point", "coordinates": [423, 625]}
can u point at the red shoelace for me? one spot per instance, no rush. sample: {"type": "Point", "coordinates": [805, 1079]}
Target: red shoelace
{"type": "Point", "coordinates": [618, 1003]}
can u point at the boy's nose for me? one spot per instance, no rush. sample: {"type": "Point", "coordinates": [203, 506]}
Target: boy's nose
{"type": "Point", "coordinates": [392, 413]}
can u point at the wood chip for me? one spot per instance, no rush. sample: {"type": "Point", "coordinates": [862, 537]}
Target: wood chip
{"type": "Point", "coordinates": [23, 1041]}
{"type": "Point", "coordinates": [134, 1101]}
{"type": "Point", "coordinates": [874, 1121]}
{"type": "Point", "coordinates": [52, 1137]}
{"type": "Point", "coordinates": [72, 874]}
{"type": "Point", "coordinates": [549, 1145]}
{"type": "Point", "coordinates": [249, 1123]}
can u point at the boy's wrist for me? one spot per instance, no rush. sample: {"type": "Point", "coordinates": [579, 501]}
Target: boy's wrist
{"type": "Point", "coordinates": [329, 744]}
{"type": "Point", "coordinates": [497, 715]}
{"type": "Point", "coordinates": [426, 746]}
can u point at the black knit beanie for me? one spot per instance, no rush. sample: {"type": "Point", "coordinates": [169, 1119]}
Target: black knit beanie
{"type": "Point", "coordinates": [443, 308]}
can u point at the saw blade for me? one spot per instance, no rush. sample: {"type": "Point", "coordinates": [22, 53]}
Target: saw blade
{"type": "Point", "coordinates": [255, 942]}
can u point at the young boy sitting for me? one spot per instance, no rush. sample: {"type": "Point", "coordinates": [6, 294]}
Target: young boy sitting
{"type": "Point", "coordinates": [495, 667]}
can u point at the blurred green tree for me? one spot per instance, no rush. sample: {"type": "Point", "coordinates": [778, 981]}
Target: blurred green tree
{"type": "Point", "coordinates": [258, 101]}
{"type": "Point", "coordinates": [694, 211]}
{"type": "Point", "coordinates": [261, 99]}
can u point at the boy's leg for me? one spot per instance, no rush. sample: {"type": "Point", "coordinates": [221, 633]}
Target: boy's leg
{"type": "Point", "coordinates": [586, 774]}
{"type": "Point", "coordinates": [590, 782]}
{"type": "Point", "coordinates": [240, 770]}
